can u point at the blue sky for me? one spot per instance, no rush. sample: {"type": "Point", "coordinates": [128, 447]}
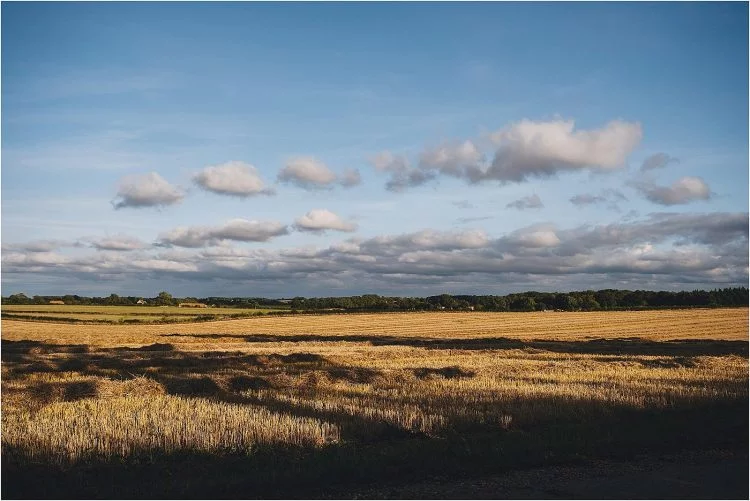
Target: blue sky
{"type": "Point", "coordinates": [409, 149]}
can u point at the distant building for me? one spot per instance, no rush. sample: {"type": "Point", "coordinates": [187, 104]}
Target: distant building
{"type": "Point", "coordinates": [56, 301]}
{"type": "Point", "coordinates": [140, 301]}
{"type": "Point", "coordinates": [192, 305]}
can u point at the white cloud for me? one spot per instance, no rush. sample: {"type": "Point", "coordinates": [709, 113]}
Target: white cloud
{"type": "Point", "coordinates": [117, 243]}
{"type": "Point", "coordinates": [243, 230]}
{"type": "Point", "coordinates": [164, 265]}
{"type": "Point", "coordinates": [240, 230]}
{"type": "Point", "coordinates": [183, 236]}
{"type": "Point", "coordinates": [149, 190]}
{"type": "Point", "coordinates": [525, 149]}
{"type": "Point", "coordinates": [402, 174]}
{"type": "Point", "coordinates": [452, 159]}
{"type": "Point", "coordinates": [307, 173]}
{"type": "Point", "coordinates": [541, 149]}
{"type": "Point", "coordinates": [318, 220]}
{"type": "Point", "coordinates": [529, 202]}
{"type": "Point", "coordinates": [426, 240]}
{"type": "Point", "coordinates": [232, 178]}
{"type": "Point", "coordinates": [684, 190]}
{"type": "Point", "coordinates": [535, 237]}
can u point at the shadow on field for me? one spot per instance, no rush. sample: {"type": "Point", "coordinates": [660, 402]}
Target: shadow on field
{"type": "Point", "coordinates": [545, 430]}
{"type": "Point", "coordinates": [611, 346]}
{"type": "Point", "coordinates": [233, 377]}
{"type": "Point", "coordinates": [460, 460]}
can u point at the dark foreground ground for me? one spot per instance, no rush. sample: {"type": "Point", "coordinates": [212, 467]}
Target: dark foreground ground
{"type": "Point", "coordinates": [710, 475]}
{"type": "Point", "coordinates": [689, 475]}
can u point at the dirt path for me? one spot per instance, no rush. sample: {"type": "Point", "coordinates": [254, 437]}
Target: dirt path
{"type": "Point", "coordinates": [711, 475]}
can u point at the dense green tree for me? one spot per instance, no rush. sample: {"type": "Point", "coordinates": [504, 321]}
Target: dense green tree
{"type": "Point", "coordinates": [164, 299]}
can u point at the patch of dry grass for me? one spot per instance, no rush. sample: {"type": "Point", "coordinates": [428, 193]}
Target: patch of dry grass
{"type": "Point", "coordinates": [136, 425]}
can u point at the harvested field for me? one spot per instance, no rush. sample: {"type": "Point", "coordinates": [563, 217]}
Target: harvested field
{"type": "Point", "coordinates": [724, 324]}
{"type": "Point", "coordinates": [125, 314]}
{"type": "Point", "coordinates": [362, 398]}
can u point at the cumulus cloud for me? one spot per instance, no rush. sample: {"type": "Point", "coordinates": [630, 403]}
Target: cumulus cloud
{"type": "Point", "coordinates": [657, 161]}
{"type": "Point", "coordinates": [528, 202]}
{"type": "Point", "coordinates": [610, 197]}
{"type": "Point", "coordinates": [683, 191]}
{"type": "Point", "coordinates": [240, 230]}
{"type": "Point", "coordinates": [542, 149]}
{"type": "Point", "coordinates": [232, 178]}
{"type": "Point", "coordinates": [402, 174]}
{"type": "Point", "coordinates": [319, 220]}
{"type": "Point", "coordinates": [524, 150]}
{"type": "Point", "coordinates": [148, 190]}
{"type": "Point", "coordinates": [116, 243]}
{"type": "Point", "coordinates": [307, 173]}
{"type": "Point", "coordinates": [452, 159]}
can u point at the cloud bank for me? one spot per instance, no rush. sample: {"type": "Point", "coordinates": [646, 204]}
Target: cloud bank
{"type": "Point", "coordinates": [662, 251]}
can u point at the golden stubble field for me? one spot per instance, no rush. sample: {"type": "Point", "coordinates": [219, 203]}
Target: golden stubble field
{"type": "Point", "coordinates": [97, 392]}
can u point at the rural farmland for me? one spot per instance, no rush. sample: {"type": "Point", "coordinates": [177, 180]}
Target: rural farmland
{"type": "Point", "coordinates": [375, 250]}
{"type": "Point", "coordinates": [126, 314]}
{"type": "Point", "coordinates": [299, 400]}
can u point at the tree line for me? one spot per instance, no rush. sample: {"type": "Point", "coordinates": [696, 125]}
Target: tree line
{"type": "Point", "coordinates": [607, 299]}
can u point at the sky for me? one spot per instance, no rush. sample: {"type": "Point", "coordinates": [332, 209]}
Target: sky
{"type": "Point", "coordinates": [411, 149]}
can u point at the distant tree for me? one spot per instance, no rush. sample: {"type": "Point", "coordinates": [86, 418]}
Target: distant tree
{"type": "Point", "coordinates": [164, 299]}
{"type": "Point", "coordinates": [523, 303]}
{"type": "Point", "coordinates": [446, 301]}
{"type": "Point", "coordinates": [633, 299]}
{"type": "Point", "coordinates": [19, 298]}
{"type": "Point", "coordinates": [298, 303]}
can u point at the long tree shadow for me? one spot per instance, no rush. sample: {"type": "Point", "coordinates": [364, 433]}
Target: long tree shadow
{"type": "Point", "coordinates": [611, 346]}
{"type": "Point", "coordinates": [230, 376]}
{"type": "Point", "coordinates": [326, 473]}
